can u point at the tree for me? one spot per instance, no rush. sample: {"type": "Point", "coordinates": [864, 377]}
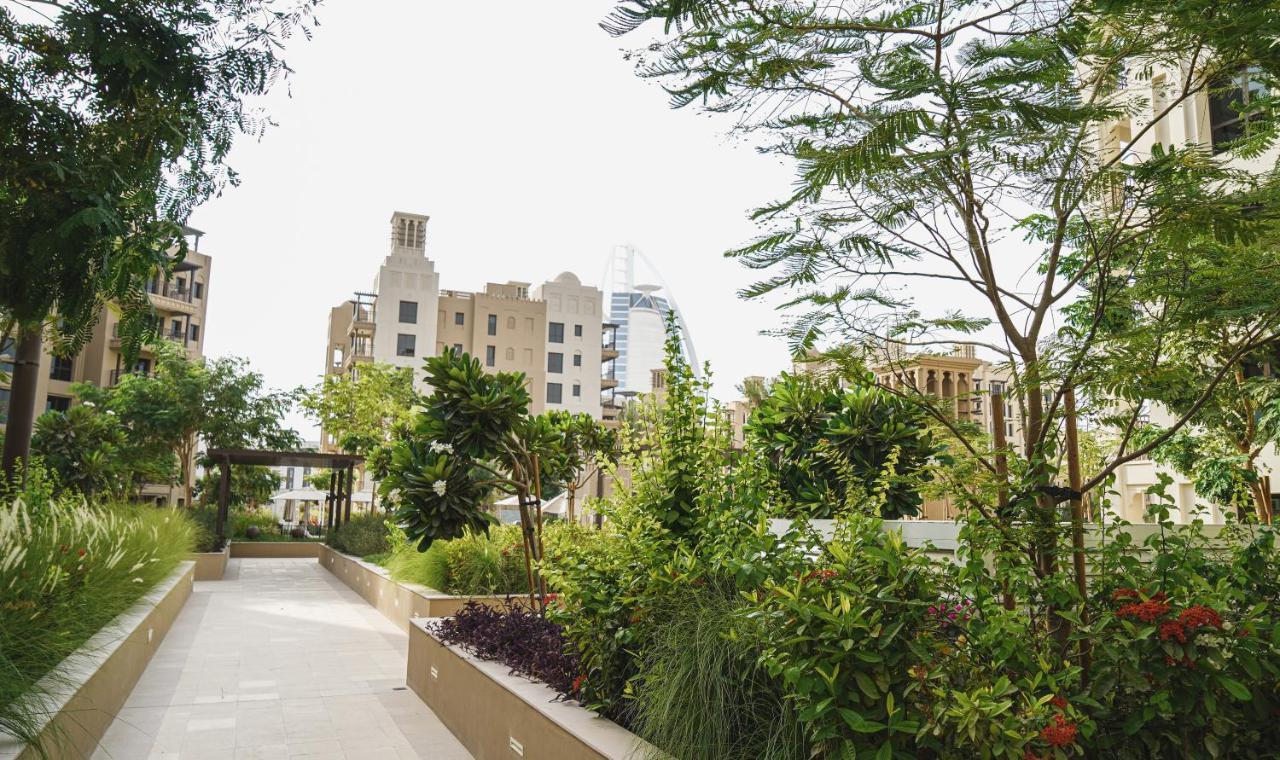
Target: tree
{"type": "Point", "coordinates": [363, 411]}
{"type": "Point", "coordinates": [1220, 291]}
{"type": "Point", "coordinates": [84, 449]}
{"type": "Point", "coordinates": [928, 138]}
{"type": "Point", "coordinates": [827, 443]}
{"type": "Point", "coordinates": [251, 486]}
{"type": "Point", "coordinates": [115, 122]}
{"type": "Point", "coordinates": [583, 445]}
{"type": "Point", "coordinates": [219, 402]}
{"type": "Point", "coordinates": [472, 437]}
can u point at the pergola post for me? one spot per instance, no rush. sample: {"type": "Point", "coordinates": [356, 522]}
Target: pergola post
{"type": "Point", "coordinates": [350, 488]}
{"type": "Point", "coordinates": [224, 499]}
{"type": "Point", "coordinates": [330, 518]}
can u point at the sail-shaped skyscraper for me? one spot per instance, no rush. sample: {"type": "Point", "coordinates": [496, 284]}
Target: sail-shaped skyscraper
{"type": "Point", "coordinates": [639, 300]}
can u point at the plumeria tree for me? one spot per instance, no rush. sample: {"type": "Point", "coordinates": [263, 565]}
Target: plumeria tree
{"type": "Point", "coordinates": [472, 439]}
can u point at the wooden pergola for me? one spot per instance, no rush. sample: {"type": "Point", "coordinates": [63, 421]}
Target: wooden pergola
{"type": "Point", "coordinates": [341, 478]}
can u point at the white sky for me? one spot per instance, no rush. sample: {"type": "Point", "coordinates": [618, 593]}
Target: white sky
{"type": "Point", "coordinates": [524, 135]}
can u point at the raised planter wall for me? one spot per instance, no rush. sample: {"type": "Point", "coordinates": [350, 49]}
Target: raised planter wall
{"type": "Point", "coordinates": [89, 688]}
{"type": "Point", "coordinates": [497, 715]}
{"type": "Point", "coordinates": [211, 566]}
{"type": "Point", "coordinates": [276, 549]}
{"type": "Point", "coordinates": [398, 602]}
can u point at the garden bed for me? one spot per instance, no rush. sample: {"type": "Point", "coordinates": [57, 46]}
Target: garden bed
{"type": "Point", "coordinates": [276, 549]}
{"type": "Point", "coordinates": [498, 715]}
{"type": "Point", "coordinates": [88, 689]}
{"type": "Point", "coordinates": [211, 566]}
{"type": "Point", "coordinates": [398, 602]}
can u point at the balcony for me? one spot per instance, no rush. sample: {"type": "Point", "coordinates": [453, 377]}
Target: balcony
{"type": "Point", "coordinates": [608, 382]}
{"type": "Point", "coordinates": [608, 351]}
{"type": "Point", "coordinates": [116, 374]}
{"type": "Point", "coordinates": [169, 335]}
{"type": "Point", "coordinates": [171, 297]}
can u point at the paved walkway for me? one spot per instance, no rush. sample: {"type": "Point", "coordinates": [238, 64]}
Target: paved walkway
{"type": "Point", "coordinates": [278, 660]}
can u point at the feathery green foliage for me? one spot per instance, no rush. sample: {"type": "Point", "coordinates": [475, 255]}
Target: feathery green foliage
{"type": "Point", "coordinates": [67, 570]}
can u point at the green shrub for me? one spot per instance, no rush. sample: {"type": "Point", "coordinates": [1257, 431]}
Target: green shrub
{"type": "Point", "coordinates": [264, 520]}
{"type": "Point", "coordinates": [701, 688]}
{"type": "Point", "coordinates": [205, 520]}
{"type": "Point", "coordinates": [429, 568]}
{"type": "Point", "coordinates": [362, 535]}
{"type": "Point", "coordinates": [486, 564]}
{"type": "Point", "coordinates": [66, 571]}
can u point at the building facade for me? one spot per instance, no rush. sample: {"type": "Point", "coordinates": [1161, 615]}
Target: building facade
{"type": "Point", "coordinates": [639, 312]}
{"type": "Point", "coordinates": [553, 332]}
{"type": "Point", "coordinates": [1211, 121]}
{"type": "Point", "coordinates": [181, 303]}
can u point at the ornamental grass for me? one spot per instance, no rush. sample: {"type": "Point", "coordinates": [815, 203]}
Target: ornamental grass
{"type": "Point", "coordinates": [67, 570]}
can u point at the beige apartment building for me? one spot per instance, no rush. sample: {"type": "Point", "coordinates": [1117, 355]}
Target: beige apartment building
{"type": "Point", "coordinates": [503, 327]}
{"type": "Point", "coordinates": [180, 301]}
{"type": "Point", "coordinates": [553, 332]}
{"type": "Point", "coordinates": [1210, 122]}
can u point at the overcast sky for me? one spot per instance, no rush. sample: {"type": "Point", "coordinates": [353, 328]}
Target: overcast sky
{"type": "Point", "coordinates": [524, 135]}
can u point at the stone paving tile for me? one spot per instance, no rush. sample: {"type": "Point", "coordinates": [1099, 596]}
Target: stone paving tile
{"type": "Point", "coordinates": [277, 660]}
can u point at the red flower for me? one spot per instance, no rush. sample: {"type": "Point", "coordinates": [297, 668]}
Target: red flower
{"type": "Point", "coordinates": [81, 552]}
{"type": "Point", "coordinates": [1123, 593]}
{"type": "Point", "coordinates": [1199, 616]}
{"type": "Point", "coordinates": [1146, 611]}
{"type": "Point", "coordinates": [822, 576]}
{"type": "Point", "coordinates": [1059, 702]}
{"type": "Point", "coordinates": [1059, 733]}
{"type": "Point", "coordinates": [550, 598]}
{"type": "Point", "coordinates": [1029, 755]}
{"type": "Point", "coordinates": [577, 683]}
{"type": "Point", "coordinates": [1173, 629]}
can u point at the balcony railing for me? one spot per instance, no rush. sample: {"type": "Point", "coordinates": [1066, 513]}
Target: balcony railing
{"type": "Point", "coordinates": [179, 336]}
{"type": "Point", "coordinates": [116, 374]}
{"type": "Point", "coordinates": [178, 292]}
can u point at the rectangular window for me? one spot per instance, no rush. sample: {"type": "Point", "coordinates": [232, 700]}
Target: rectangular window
{"type": "Point", "coordinates": [198, 289]}
{"type": "Point", "coordinates": [577, 331]}
{"type": "Point", "coordinates": [175, 329]}
{"type": "Point", "coordinates": [490, 356]}
{"type": "Point", "coordinates": [577, 390]}
{"type": "Point", "coordinates": [406, 345]}
{"type": "Point", "coordinates": [555, 332]}
{"type": "Point", "coordinates": [457, 348]}
{"type": "Point", "coordinates": [57, 404]}
{"type": "Point", "coordinates": [60, 369]}
{"type": "Point", "coordinates": [577, 360]}
{"type": "Point", "coordinates": [409, 312]}
{"type": "Point", "coordinates": [493, 324]}
{"type": "Point", "coordinates": [1229, 107]}
{"type": "Point", "coordinates": [459, 318]}
{"type": "Point", "coordinates": [554, 392]}
{"type": "Point", "coordinates": [195, 332]}
{"type": "Point", "coordinates": [555, 362]}
{"type": "Point", "coordinates": [288, 478]}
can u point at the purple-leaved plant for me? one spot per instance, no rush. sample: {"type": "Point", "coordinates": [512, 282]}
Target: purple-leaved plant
{"type": "Point", "coordinates": [524, 641]}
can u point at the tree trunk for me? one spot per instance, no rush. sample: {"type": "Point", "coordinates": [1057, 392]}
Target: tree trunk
{"type": "Point", "coordinates": [22, 405]}
{"type": "Point", "coordinates": [569, 513]}
{"type": "Point", "coordinates": [188, 453]}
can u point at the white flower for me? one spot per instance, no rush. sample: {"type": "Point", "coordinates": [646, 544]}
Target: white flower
{"type": "Point", "coordinates": [89, 404]}
{"type": "Point", "coordinates": [439, 487]}
{"type": "Point", "coordinates": [439, 447]}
